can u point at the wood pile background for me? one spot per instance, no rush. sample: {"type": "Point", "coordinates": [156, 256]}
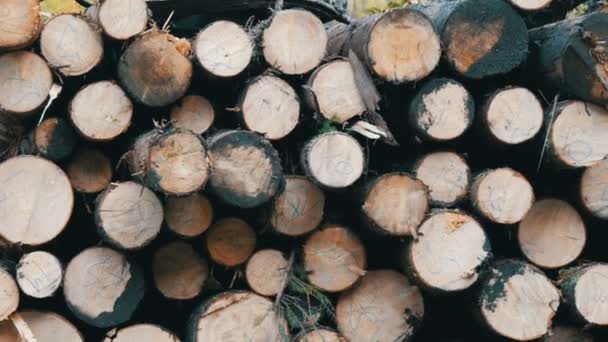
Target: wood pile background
{"type": "Point", "coordinates": [278, 171]}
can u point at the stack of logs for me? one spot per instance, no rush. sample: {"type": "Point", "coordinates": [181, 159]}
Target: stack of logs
{"type": "Point", "coordinates": [414, 174]}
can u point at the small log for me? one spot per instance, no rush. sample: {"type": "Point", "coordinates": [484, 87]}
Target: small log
{"type": "Point", "coordinates": [593, 189]}
{"type": "Point", "coordinates": [155, 69]}
{"type": "Point", "coordinates": [193, 112]}
{"type": "Point", "coordinates": [502, 195]}
{"type": "Point", "coordinates": [36, 200]}
{"type": "Point", "coordinates": [333, 92]}
{"type": "Point", "coordinates": [579, 135]}
{"type": "Point", "coordinates": [54, 139]}
{"type": "Point", "coordinates": [571, 56]}
{"type": "Point", "coordinates": [294, 42]}
{"type": "Point", "coordinates": [449, 252]}
{"type": "Point", "coordinates": [188, 216]}
{"type": "Point", "coordinates": [179, 273]}
{"type": "Point", "coordinates": [334, 258]}
{"type": "Point", "coordinates": [11, 133]}
{"type": "Point", "coordinates": [567, 334]}
{"type": "Point", "coordinates": [531, 5]}
{"type": "Point", "coordinates": [333, 160]}
{"type": "Point", "coordinates": [128, 215]}
{"type": "Point", "coordinates": [9, 294]}
{"type": "Point", "coordinates": [25, 83]}
{"type": "Point", "coordinates": [447, 176]}
{"type": "Point", "coordinates": [383, 306]}
{"type": "Point", "coordinates": [266, 272]}
{"type": "Point", "coordinates": [518, 301]}
{"type": "Point", "coordinates": [71, 45]}
{"type": "Point", "coordinates": [90, 171]}
{"type": "Point", "coordinates": [223, 49]}
{"type": "Point", "coordinates": [101, 111]}
{"type": "Point", "coordinates": [123, 19]}
{"type": "Point", "coordinates": [319, 335]}
{"type": "Point", "coordinates": [41, 326]}
{"type": "Point", "coordinates": [269, 106]}
{"type": "Point", "coordinates": [299, 209]}
{"type": "Point", "coordinates": [585, 291]}
{"type": "Point", "coordinates": [39, 274]}
{"type": "Point", "coordinates": [102, 287]}
{"type": "Point", "coordinates": [230, 242]}
{"type": "Point", "coordinates": [141, 332]}
{"type": "Point", "coordinates": [552, 234]}
{"type": "Point", "coordinates": [20, 25]}
{"type": "Point", "coordinates": [395, 204]}
{"type": "Point", "coordinates": [442, 110]}
{"type": "Point", "coordinates": [246, 168]}
{"type": "Point", "coordinates": [172, 161]}
{"type": "Point", "coordinates": [512, 116]}
{"type": "Point", "coordinates": [237, 316]}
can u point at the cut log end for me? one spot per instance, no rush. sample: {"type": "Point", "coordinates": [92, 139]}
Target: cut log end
{"type": "Point", "coordinates": [230, 242]}
{"type": "Point", "coordinates": [567, 334]}
{"type": "Point", "coordinates": [9, 294]}
{"type": "Point", "coordinates": [531, 5]}
{"type": "Point", "coordinates": [383, 306]}
{"type": "Point", "coordinates": [40, 325]}
{"type": "Point", "coordinates": [101, 111]}
{"type": "Point", "coordinates": [333, 160]}
{"type": "Point", "coordinates": [39, 274]}
{"type": "Point", "coordinates": [129, 215]}
{"type": "Point", "coordinates": [552, 234]}
{"type": "Point", "coordinates": [447, 176]}
{"type": "Point", "coordinates": [299, 209]}
{"type": "Point", "coordinates": [90, 171]}
{"type": "Point", "coordinates": [21, 24]}
{"type": "Point", "coordinates": [295, 41]}
{"type": "Point", "coordinates": [55, 139]}
{"type": "Point", "coordinates": [270, 106]}
{"type": "Point", "coordinates": [585, 289]}
{"type": "Point", "coordinates": [123, 19]}
{"type": "Point", "coordinates": [518, 301]}
{"type": "Point", "coordinates": [593, 189]}
{"type": "Point", "coordinates": [223, 49]}
{"type": "Point", "coordinates": [47, 194]}
{"type": "Point", "coordinates": [188, 216]}
{"type": "Point", "coordinates": [141, 332]}
{"type": "Point", "coordinates": [396, 203]}
{"type": "Point", "coordinates": [193, 112]}
{"type": "Point", "coordinates": [179, 273]}
{"type": "Point", "coordinates": [320, 335]}
{"type": "Point", "coordinates": [450, 249]}
{"type": "Point", "coordinates": [502, 195]}
{"type": "Point", "coordinates": [334, 258]}
{"type": "Point", "coordinates": [267, 271]}
{"type": "Point", "coordinates": [71, 45]}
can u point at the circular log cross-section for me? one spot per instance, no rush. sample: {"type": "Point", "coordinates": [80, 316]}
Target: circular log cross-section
{"type": "Point", "coordinates": [531, 5]}
{"type": "Point", "coordinates": [442, 110]}
{"type": "Point", "coordinates": [36, 200]}
{"type": "Point", "coordinates": [334, 93]}
{"type": "Point", "coordinates": [270, 106]}
{"type": "Point", "coordinates": [123, 19]}
{"type": "Point", "coordinates": [395, 204]}
{"type": "Point", "coordinates": [447, 175]}
{"type": "Point", "coordinates": [188, 216]}
{"type": "Point", "coordinates": [90, 171]}
{"type": "Point", "coordinates": [25, 82]}
{"type": "Point", "coordinates": [102, 287]}
{"type": "Point", "coordinates": [20, 23]}
{"type": "Point", "coordinates": [230, 242]}
{"type": "Point", "coordinates": [333, 160]}
{"type": "Point", "coordinates": [266, 272]}
{"type": "Point", "coordinates": [552, 234]}
{"type": "Point", "coordinates": [71, 45]}
{"type": "Point", "coordinates": [237, 316]}
{"type": "Point", "coordinates": [294, 42]}
{"type": "Point", "coordinates": [512, 116]}
{"type": "Point", "coordinates": [179, 273]}
{"type": "Point", "coordinates": [593, 189]}
{"type": "Point", "coordinates": [246, 168]}
{"type": "Point", "coordinates": [101, 111]}
{"type": "Point", "coordinates": [54, 139]}
{"type": "Point", "coordinates": [41, 325]}
{"type": "Point", "coordinates": [451, 248]}
{"type": "Point", "coordinates": [579, 134]}
{"type": "Point", "coordinates": [39, 274]}
{"type": "Point", "coordinates": [585, 289]}
{"type": "Point", "coordinates": [319, 335]}
{"type": "Point", "coordinates": [518, 301]}
{"type": "Point", "coordinates": [193, 112]}
{"type": "Point", "coordinates": [383, 306]}
{"type": "Point", "coordinates": [9, 294]}
{"type": "Point", "coordinates": [299, 209]}
{"type": "Point", "coordinates": [141, 332]}
{"type": "Point", "coordinates": [128, 215]}
{"type": "Point", "coordinates": [334, 258]}
{"type": "Point", "coordinates": [154, 71]}
{"type": "Point", "coordinates": [502, 195]}
{"type": "Point", "coordinates": [567, 334]}
{"type": "Point", "coordinates": [223, 49]}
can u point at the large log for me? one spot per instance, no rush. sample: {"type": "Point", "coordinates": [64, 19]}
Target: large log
{"type": "Point", "coordinates": [179, 272]}
{"type": "Point", "coordinates": [20, 23]}
{"type": "Point", "coordinates": [141, 332]}
{"type": "Point", "coordinates": [230, 242]}
{"type": "Point", "coordinates": [38, 326]}
{"type": "Point", "coordinates": [193, 112]}
{"type": "Point", "coordinates": [585, 291]}
{"type": "Point", "coordinates": [593, 189]}
{"type": "Point", "coordinates": [267, 272]}
{"type": "Point", "coordinates": [446, 174]}
{"type": "Point", "coordinates": [39, 274]}
{"type": "Point", "coordinates": [90, 171]}
{"type": "Point", "coordinates": [123, 19]}
{"type": "Point", "coordinates": [188, 216]}
{"type": "Point", "coordinates": [9, 294]}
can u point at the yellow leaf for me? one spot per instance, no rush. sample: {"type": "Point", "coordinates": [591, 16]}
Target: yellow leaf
{"type": "Point", "coordinates": [60, 6]}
